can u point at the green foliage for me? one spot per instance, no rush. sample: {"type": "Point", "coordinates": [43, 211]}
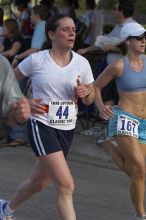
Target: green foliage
{"type": "Point", "coordinates": [141, 6]}
{"type": "Point", "coordinates": [59, 3]}
{"type": "Point", "coordinates": [107, 28]}
{"type": "Point", "coordinates": [106, 4]}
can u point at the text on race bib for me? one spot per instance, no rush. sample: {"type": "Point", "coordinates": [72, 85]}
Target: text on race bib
{"type": "Point", "coordinates": [62, 112]}
{"type": "Point", "coordinates": [127, 126]}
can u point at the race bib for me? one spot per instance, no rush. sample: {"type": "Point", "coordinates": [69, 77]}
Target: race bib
{"type": "Point", "coordinates": [127, 126]}
{"type": "Point", "coordinates": [62, 112]}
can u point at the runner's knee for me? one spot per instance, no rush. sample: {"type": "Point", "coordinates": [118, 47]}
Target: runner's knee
{"type": "Point", "coordinates": [138, 169]}
{"type": "Point", "coordinates": [67, 187]}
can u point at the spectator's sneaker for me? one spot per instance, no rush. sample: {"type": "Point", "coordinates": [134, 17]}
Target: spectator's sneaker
{"type": "Point", "coordinates": [139, 218]}
{"type": "Point", "coordinates": [103, 137]}
{"type": "Point", "coordinates": [3, 216]}
{"type": "Point", "coordinates": [10, 218]}
{"type": "Point", "coordinates": [93, 132]}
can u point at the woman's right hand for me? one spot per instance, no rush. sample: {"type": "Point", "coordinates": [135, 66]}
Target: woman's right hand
{"type": "Point", "coordinates": [106, 112]}
{"type": "Point", "coordinates": [14, 62]}
{"type": "Point", "coordinates": [37, 107]}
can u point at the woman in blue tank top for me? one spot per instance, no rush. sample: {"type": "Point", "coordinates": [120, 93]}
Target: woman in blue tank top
{"type": "Point", "coordinates": [127, 121]}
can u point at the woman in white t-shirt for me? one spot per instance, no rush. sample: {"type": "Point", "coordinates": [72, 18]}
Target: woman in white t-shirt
{"type": "Point", "coordinates": [59, 76]}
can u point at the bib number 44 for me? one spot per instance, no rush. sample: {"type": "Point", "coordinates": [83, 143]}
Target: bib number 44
{"type": "Point", "coordinates": [62, 112]}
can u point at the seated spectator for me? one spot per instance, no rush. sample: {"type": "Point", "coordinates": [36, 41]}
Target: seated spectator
{"type": "Point", "coordinates": [13, 41]}
{"type": "Point", "coordinates": [38, 19]}
{"type": "Point", "coordinates": [24, 18]}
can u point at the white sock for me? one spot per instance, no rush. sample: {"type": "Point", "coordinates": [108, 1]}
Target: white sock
{"type": "Point", "coordinates": [7, 209]}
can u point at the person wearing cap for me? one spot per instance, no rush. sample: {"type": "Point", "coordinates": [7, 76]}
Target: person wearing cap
{"type": "Point", "coordinates": [123, 11]}
{"type": "Point", "coordinates": [127, 120]}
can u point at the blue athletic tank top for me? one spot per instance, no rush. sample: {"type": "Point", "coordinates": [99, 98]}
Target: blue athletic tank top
{"type": "Point", "coordinates": [131, 80]}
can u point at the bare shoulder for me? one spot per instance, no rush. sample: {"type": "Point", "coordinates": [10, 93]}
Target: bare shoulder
{"type": "Point", "coordinates": [116, 68]}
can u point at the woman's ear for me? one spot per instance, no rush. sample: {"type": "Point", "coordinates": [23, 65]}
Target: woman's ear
{"type": "Point", "coordinates": [50, 35]}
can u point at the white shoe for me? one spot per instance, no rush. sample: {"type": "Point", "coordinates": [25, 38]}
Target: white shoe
{"type": "Point", "coordinates": [103, 138]}
{"type": "Point", "coordinates": [139, 218]}
{"type": "Point", "coordinates": [3, 216]}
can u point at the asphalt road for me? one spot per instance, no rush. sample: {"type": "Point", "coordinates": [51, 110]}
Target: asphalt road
{"type": "Point", "coordinates": [101, 189]}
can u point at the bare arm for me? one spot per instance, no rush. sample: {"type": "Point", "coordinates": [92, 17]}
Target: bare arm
{"type": "Point", "coordinates": [112, 71]}
{"type": "Point", "coordinates": [26, 53]}
{"type": "Point", "coordinates": [110, 48]}
{"type": "Point", "coordinates": [23, 55]}
{"type": "Point", "coordinates": [87, 49]}
{"type": "Point", "coordinates": [13, 51]}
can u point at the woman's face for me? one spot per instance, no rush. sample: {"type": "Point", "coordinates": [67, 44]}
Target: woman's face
{"type": "Point", "coordinates": [33, 17]}
{"type": "Point", "coordinates": [5, 30]}
{"type": "Point", "coordinates": [64, 36]}
{"type": "Point", "coordinates": [137, 46]}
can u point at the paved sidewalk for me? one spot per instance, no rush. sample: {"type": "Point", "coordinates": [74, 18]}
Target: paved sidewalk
{"type": "Point", "coordinates": [85, 141]}
{"type": "Point", "coordinates": [87, 146]}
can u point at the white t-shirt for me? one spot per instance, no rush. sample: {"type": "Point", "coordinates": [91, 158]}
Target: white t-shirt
{"type": "Point", "coordinates": [52, 83]}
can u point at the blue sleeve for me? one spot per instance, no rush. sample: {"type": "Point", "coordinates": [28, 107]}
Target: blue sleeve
{"type": "Point", "coordinates": [39, 37]}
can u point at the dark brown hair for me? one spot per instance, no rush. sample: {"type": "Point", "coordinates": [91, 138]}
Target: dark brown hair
{"type": "Point", "coordinates": [52, 23]}
{"type": "Point", "coordinates": [1, 16]}
{"type": "Point", "coordinates": [12, 26]}
{"type": "Point", "coordinates": [40, 10]}
{"type": "Point", "coordinates": [127, 7]}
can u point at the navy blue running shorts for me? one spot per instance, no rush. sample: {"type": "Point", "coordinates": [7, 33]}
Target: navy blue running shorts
{"type": "Point", "coordinates": [46, 140]}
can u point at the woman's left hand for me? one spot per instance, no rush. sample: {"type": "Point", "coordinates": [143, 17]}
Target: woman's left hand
{"type": "Point", "coordinates": [81, 90]}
